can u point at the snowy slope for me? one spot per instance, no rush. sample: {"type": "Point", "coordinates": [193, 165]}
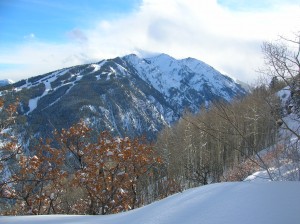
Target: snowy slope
{"type": "Point", "coordinates": [178, 79]}
{"type": "Point", "coordinates": [227, 203]}
{"type": "Point", "coordinates": [5, 82]}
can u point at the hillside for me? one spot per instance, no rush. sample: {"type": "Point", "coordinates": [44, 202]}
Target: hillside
{"type": "Point", "coordinates": [126, 95]}
{"type": "Point", "coordinates": [228, 203]}
{"type": "Point", "coordinates": [255, 200]}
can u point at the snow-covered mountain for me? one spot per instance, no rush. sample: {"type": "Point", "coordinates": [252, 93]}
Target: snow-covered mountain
{"type": "Point", "coordinates": [234, 203]}
{"type": "Point", "coordinates": [126, 95]}
{"type": "Point", "coordinates": [5, 82]}
{"type": "Point", "coordinates": [185, 83]}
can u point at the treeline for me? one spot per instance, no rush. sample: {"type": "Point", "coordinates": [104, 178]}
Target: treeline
{"type": "Point", "coordinates": [206, 147]}
{"type": "Point", "coordinates": [79, 171]}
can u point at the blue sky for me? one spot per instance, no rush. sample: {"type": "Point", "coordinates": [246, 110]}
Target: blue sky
{"type": "Point", "coordinates": [38, 36]}
{"type": "Point", "coordinates": [49, 20]}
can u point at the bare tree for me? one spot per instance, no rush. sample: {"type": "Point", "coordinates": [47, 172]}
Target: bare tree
{"type": "Point", "coordinates": [282, 62]}
{"type": "Point", "coordinates": [201, 148]}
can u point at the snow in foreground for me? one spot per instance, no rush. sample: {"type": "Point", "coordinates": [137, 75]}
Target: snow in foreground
{"type": "Point", "coordinates": [232, 203]}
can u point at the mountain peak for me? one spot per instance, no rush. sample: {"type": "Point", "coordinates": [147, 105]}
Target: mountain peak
{"type": "Point", "coordinates": [132, 58]}
{"type": "Point", "coordinates": [5, 82]}
{"type": "Point", "coordinates": [193, 62]}
{"type": "Point", "coordinates": [131, 55]}
{"type": "Point", "coordinates": [161, 56]}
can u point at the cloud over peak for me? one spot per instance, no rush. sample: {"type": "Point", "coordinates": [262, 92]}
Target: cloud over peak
{"type": "Point", "coordinates": [208, 30]}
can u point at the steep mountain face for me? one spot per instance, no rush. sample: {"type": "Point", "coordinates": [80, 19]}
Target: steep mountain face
{"type": "Point", "coordinates": [186, 83]}
{"type": "Point", "coordinates": [128, 95]}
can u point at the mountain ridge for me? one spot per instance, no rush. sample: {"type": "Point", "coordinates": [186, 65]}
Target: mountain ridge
{"type": "Point", "coordinates": [127, 95]}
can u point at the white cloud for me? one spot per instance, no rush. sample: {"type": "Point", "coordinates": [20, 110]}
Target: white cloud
{"type": "Point", "coordinates": [77, 35]}
{"type": "Point", "coordinates": [226, 39]}
{"type": "Point", "coordinates": [30, 36]}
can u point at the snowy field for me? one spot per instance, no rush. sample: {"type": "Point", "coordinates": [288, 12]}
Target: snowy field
{"type": "Point", "coordinates": [232, 203]}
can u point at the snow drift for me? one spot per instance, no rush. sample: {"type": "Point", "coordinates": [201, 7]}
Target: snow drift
{"type": "Point", "coordinates": [232, 203]}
